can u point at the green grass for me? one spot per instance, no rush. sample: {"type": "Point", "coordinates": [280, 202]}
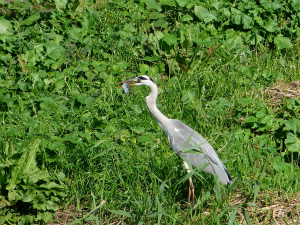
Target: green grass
{"type": "Point", "coordinates": [107, 144]}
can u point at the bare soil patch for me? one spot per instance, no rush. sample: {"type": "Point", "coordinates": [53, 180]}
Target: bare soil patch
{"type": "Point", "coordinates": [280, 90]}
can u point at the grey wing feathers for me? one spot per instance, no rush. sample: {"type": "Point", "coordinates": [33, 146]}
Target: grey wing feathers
{"type": "Point", "coordinates": [179, 134]}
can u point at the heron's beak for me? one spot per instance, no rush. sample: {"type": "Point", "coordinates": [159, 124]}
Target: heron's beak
{"type": "Point", "coordinates": [131, 82]}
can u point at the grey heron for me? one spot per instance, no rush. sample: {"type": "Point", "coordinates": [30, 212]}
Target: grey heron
{"type": "Point", "coordinates": [181, 137]}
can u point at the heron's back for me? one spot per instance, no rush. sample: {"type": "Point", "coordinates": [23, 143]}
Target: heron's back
{"type": "Point", "coordinates": [179, 134]}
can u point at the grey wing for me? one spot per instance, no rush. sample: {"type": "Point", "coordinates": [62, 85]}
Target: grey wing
{"type": "Point", "coordinates": [179, 134]}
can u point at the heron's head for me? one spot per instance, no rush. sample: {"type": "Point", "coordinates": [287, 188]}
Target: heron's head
{"type": "Point", "coordinates": [143, 80]}
{"type": "Point", "coordinates": [140, 80]}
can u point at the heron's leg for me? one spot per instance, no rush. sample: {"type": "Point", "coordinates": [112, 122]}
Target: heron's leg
{"type": "Point", "coordinates": [191, 186]}
{"type": "Point", "coordinates": [191, 191]}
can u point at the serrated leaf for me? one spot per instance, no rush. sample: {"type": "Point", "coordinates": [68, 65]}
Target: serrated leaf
{"type": "Point", "coordinates": [50, 186]}
{"type": "Point", "coordinates": [24, 163]}
{"type": "Point", "coordinates": [204, 14]}
{"type": "Point", "coordinates": [31, 19]}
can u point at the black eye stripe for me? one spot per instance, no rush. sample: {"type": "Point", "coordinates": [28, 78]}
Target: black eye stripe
{"type": "Point", "coordinates": [142, 78]}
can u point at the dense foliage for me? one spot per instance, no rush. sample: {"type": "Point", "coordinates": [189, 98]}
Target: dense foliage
{"type": "Point", "coordinates": [63, 122]}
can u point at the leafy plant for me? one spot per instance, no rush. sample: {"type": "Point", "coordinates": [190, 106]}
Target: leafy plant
{"type": "Point", "coordinates": [27, 192]}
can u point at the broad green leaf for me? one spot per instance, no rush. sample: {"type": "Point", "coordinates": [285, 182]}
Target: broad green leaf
{"type": "Point", "coordinates": [138, 130]}
{"type": "Point", "coordinates": [23, 86]}
{"type": "Point", "coordinates": [5, 57]}
{"type": "Point", "coordinates": [282, 42]}
{"type": "Point", "coordinates": [130, 28]}
{"type": "Point", "coordinates": [144, 68]}
{"type": "Point", "coordinates": [182, 3]}
{"type": "Point", "coordinates": [83, 66]}
{"type": "Point", "coordinates": [54, 51]}
{"type": "Point", "coordinates": [170, 39]}
{"type": "Point", "coordinates": [5, 25]}
{"type": "Point", "coordinates": [50, 186]}
{"type": "Point", "coordinates": [120, 66]}
{"type": "Point", "coordinates": [293, 124]}
{"type": "Point", "coordinates": [31, 19]}
{"type": "Point", "coordinates": [237, 19]}
{"type": "Point", "coordinates": [155, 15]}
{"type": "Point", "coordinates": [204, 14]}
{"type": "Point", "coordinates": [160, 23]}
{"type": "Point", "coordinates": [269, 4]}
{"type": "Point", "coordinates": [251, 119]}
{"type": "Point", "coordinates": [292, 143]}
{"type": "Point", "coordinates": [151, 58]}
{"type": "Point", "coordinates": [217, 5]}
{"type": "Point", "coordinates": [186, 18]}
{"type": "Point", "coordinates": [245, 101]}
{"type": "Point", "coordinates": [152, 4]}
{"type": "Point", "coordinates": [246, 21]}
{"type": "Point", "coordinates": [24, 163]}
{"type": "Point", "coordinates": [74, 33]}
{"type": "Point", "coordinates": [188, 96]}
{"type": "Point", "coordinates": [168, 2]}
{"type": "Point", "coordinates": [271, 25]}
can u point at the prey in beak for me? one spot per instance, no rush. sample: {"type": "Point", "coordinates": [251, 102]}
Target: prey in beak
{"type": "Point", "coordinates": [127, 83]}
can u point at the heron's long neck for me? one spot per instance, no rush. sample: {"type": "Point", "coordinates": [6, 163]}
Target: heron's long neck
{"type": "Point", "coordinates": [151, 105]}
